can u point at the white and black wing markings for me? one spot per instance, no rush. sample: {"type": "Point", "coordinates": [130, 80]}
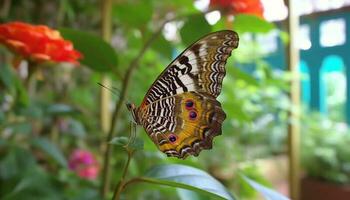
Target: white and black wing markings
{"type": "Point", "coordinates": [201, 67]}
{"type": "Point", "coordinates": [162, 117]}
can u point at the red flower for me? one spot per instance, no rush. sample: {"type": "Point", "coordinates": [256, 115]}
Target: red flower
{"type": "Point", "coordinates": [84, 164]}
{"type": "Point", "coordinates": [253, 7]}
{"type": "Point", "coordinates": [37, 43]}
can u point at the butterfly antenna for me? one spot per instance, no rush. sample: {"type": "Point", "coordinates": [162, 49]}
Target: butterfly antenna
{"type": "Point", "coordinates": [114, 90]}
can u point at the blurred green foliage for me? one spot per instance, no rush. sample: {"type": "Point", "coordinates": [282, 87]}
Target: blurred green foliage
{"type": "Point", "coordinates": [325, 142]}
{"type": "Point", "coordinates": [40, 128]}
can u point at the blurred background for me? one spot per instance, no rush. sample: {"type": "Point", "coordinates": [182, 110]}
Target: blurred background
{"type": "Point", "coordinates": [55, 118]}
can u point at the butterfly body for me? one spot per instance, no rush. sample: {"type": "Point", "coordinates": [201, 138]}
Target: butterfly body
{"type": "Point", "coordinates": [180, 112]}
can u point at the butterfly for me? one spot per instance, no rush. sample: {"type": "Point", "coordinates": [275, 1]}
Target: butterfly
{"type": "Point", "coordinates": [180, 112]}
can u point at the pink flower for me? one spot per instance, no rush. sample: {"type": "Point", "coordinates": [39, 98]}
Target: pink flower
{"type": "Point", "coordinates": [84, 164]}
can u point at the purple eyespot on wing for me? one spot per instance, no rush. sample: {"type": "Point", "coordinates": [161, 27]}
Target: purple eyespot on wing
{"type": "Point", "coordinates": [192, 115]}
{"type": "Point", "coordinates": [172, 138]}
{"type": "Point", "coordinates": [189, 104]}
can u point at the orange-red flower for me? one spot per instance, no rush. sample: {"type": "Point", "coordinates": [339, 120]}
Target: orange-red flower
{"type": "Point", "coordinates": [37, 43]}
{"type": "Point", "coordinates": [234, 7]}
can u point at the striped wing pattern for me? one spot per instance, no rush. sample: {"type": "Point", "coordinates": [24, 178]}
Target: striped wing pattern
{"type": "Point", "coordinates": [180, 112]}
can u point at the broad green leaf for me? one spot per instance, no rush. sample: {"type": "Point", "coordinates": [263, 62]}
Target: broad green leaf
{"type": "Point", "coordinates": [182, 7]}
{"type": "Point", "coordinates": [97, 54]}
{"type": "Point", "coordinates": [24, 127]}
{"type": "Point", "coordinates": [163, 46]}
{"type": "Point", "coordinates": [188, 194]}
{"type": "Point", "coordinates": [253, 24]}
{"type": "Point", "coordinates": [220, 25]}
{"type": "Point", "coordinates": [25, 183]}
{"type": "Point", "coordinates": [267, 193]}
{"type": "Point", "coordinates": [51, 149]}
{"type": "Point", "coordinates": [195, 27]}
{"type": "Point", "coordinates": [135, 14]}
{"type": "Point", "coordinates": [130, 144]}
{"type": "Point", "coordinates": [15, 161]}
{"type": "Point", "coordinates": [76, 128]}
{"type": "Point", "coordinates": [186, 177]}
{"type": "Point", "coordinates": [136, 144]}
{"type": "Point", "coordinates": [252, 171]}
{"type": "Point", "coordinates": [119, 141]}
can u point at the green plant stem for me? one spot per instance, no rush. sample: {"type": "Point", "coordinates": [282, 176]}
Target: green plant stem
{"type": "Point", "coordinates": [30, 82]}
{"type": "Point", "coordinates": [120, 186]}
{"type": "Point", "coordinates": [6, 6]}
{"type": "Point", "coordinates": [134, 180]}
{"type": "Point", "coordinates": [124, 90]}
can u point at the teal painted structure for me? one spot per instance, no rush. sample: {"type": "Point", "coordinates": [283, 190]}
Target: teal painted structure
{"type": "Point", "coordinates": [318, 60]}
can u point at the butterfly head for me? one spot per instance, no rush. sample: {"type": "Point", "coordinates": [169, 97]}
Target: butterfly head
{"type": "Point", "coordinates": [132, 108]}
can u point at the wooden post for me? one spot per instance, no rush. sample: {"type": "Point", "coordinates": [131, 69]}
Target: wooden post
{"type": "Point", "coordinates": [105, 95]}
{"type": "Point", "coordinates": [105, 98]}
{"type": "Point", "coordinates": [294, 125]}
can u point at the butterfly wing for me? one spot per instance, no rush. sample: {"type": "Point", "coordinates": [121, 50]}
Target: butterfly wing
{"type": "Point", "coordinates": [201, 67]}
{"type": "Point", "coordinates": [180, 112]}
{"type": "Point", "coordinates": [184, 124]}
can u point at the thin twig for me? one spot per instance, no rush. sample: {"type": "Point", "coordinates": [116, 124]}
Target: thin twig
{"type": "Point", "coordinates": [121, 183]}
{"type": "Point", "coordinates": [125, 86]}
{"type": "Point", "coordinates": [132, 181]}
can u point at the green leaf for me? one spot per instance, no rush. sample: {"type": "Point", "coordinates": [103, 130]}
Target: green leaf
{"type": "Point", "coordinates": [135, 14]}
{"type": "Point", "coordinates": [23, 127]}
{"type": "Point", "coordinates": [6, 77]}
{"type": "Point", "coordinates": [22, 95]}
{"type": "Point", "coordinates": [136, 144]}
{"type": "Point", "coordinates": [182, 7]}
{"type": "Point", "coordinates": [188, 194]}
{"type": "Point", "coordinates": [194, 28]}
{"type": "Point", "coordinates": [76, 128]}
{"type": "Point", "coordinates": [97, 54]}
{"type": "Point", "coordinates": [34, 184]}
{"type": "Point", "coordinates": [119, 141]}
{"type": "Point", "coordinates": [186, 177]}
{"type": "Point", "coordinates": [284, 37]}
{"type": "Point", "coordinates": [51, 149]}
{"type": "Point", "coordinates": [130, 144]}
{"type": "Point", "coordinates": [162, 46]}
{"type": "Point", "coordinates": [268, 193]}
{"type": "Point", "coordinates": [61, 109]}
{"type": "Point", "coordinates": [239, 74]}
{"type": "Point", "coordinates": [253, 24]}
{"type": "Point", "coordinates": [15, 161]}
{"type": "Point", "coordinates": [84, 194]}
